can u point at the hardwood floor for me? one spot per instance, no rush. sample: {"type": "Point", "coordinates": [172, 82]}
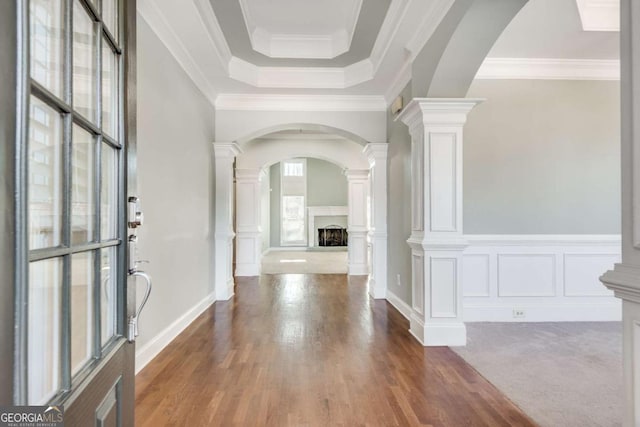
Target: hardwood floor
{"type": "Point", "coordinates": [312, 350]}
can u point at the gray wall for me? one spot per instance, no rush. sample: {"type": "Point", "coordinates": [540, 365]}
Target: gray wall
{"type": "Point", "coordinates": [326, 186]}
{"type": "Point", "coordinates": [543, 157]}
{"type": "Point", "coordinates": [175, 132]}
{"type": "Point", "coordinates": [399, 208]}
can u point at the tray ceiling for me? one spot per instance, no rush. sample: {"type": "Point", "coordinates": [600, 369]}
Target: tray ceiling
{"type": "Point", "coordinates": [301, 33]}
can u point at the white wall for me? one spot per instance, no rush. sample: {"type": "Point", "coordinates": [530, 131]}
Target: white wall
{"type": "Point", "coordinates": [241, 125]}
{"type": "Point", "coordinates": [175, 131]}
{"type": "Point", "coordinates": [539, 278]}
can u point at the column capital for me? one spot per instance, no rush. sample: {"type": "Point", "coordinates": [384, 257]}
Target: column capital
{"type": "Point", "coordinates": [249, 174]}
{"type": "Point", "coordinates": [437, 111]}
{"type": "Point", "coordinates": [357, 174]}
{"type": "Point", "coordinates": [226, 150]}
{"type": "Point", "coordinates": [376, 150]}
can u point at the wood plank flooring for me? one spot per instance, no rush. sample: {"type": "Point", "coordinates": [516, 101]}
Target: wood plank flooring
{"type": "Point", "coordinates": [312, 350]}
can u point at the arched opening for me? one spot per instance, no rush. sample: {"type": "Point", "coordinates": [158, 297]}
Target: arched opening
{"type": "Point", "coordinates": [304, 214]}
{"type": "Point", "coordinates": [315, 180]}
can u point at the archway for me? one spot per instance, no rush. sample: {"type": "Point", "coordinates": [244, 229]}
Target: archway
{"type": "Point", "coordinates": [364, 167]}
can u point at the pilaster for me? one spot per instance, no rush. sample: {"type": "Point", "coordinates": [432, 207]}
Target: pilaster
{"type": "Point", "coordinates": [624, 279]}
{"type": "Point", "coordinates": [437, 239]}
{"type": "Point", "coordinates": [358, 226]}
{"type": "Point", "coordinates": [248, 222]}
{"type": "Point", "coordinates": [224, 155]}
{"type": "Point", "coordinates": [377, 156]}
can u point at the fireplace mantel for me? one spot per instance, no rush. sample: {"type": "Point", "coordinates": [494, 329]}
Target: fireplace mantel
{"type": "Point", "coordinates": [314, 211]}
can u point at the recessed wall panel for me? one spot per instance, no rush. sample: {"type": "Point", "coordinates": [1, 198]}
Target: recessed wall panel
{"type": "Point", "coordinates": [475, 275]}
{"type": "Point", "coordinates": [526, 275]}
{"type": "Point", "coordinates": [442, 182]}
{"type": "Point", "coordinates": [582, 272]}
{"type": "Point", "coordinates": [443, 287]}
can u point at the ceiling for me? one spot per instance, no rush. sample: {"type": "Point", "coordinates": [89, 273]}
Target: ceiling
{"type": "Point", "coordinates": [295, 33]}
{"type": "Point", "coordinates": [349, 47]}
{"type": "Point", "coordinates": [553, 29]}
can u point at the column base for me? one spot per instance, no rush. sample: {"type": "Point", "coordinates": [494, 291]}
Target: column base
{"type": "Point", "coordinates": [376, 291]}
{"type": "Point", "coordinates": [248, 270]}
{"type": "Point", "coordinates": [453, 334]}
{"type": "Point", "coordinates": [225, 291]}
{"type": "Point", "coordinates": [358, 270]}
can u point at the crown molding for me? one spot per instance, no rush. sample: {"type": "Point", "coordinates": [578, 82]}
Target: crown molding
{"type": "Point", "coordinates": [599, 15]}
{"type": "Point", "coordinates": [215, 52]}
{"type": "Point", "coordinates": [549, 69]}
{"type": "Point", "coordinates": [152, 15]}
{"type": "Point", "coordinates": [402, 78]}
{"type": "Point", "coordinates": [428, 26]}
{"type": "Point", "coordinates": [216, 36]}
{"type": "Point", "coordinates": [324, 46]}
{"type": "Point", "coordinates": [259, 102]}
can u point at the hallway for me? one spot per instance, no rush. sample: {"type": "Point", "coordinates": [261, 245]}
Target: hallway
{"type": "Point", "coordinates": [312, 350]}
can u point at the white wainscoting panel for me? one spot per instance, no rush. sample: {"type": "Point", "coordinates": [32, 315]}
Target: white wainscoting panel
{"type": "Point", "coordinates": [475, 273]}
{"type": "Point", "coordinates": [581, 273]}
{"type": "Point", "coordinates": [524, 275]}
{"type": "Point", "coordinates": [536, 278]}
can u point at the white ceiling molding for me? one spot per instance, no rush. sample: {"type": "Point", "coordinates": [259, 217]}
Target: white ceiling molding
{"type": "Point", "coordinates": [599, 15]}
{"type": "Point", "coordinates": [202, 46]}
{"type": "Point", "coordinates": [428, 26]}
{"type": "Point", "coordinates": [153, 16]}
{"type": "Point", "coordinates": [260, 102]}
{"type": "Point", "coordinates": [549, 69]}
{"type": "Point", "coordinates": [399, 82]}
{"type": "Point", "coordinates": [324, 77]}
{"type": "Point", "coordinates": [317, 46]}
{"type": "Point", "coordinates": [216, 36]}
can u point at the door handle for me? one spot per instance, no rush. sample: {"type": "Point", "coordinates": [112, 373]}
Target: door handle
{"type": "Point", "coordinates": [132, 331]}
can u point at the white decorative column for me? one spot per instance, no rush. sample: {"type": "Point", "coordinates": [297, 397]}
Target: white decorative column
{"type": "Point", "coordinates": [224, 154]}
{"type": "Point", "coordinates": [358, 227]}
{"type": "Point", "coordinates": [377, 155]}
{"type": "Point", "coordinates": [436, 238]}
{"type": "Point", "coordinates": [248, 222]}
{"type": "Point", "coordinates": [624, 279]}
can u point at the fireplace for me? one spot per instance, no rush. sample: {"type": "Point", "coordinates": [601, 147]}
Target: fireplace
{"type": "Point", "coordinates": [332, 235]}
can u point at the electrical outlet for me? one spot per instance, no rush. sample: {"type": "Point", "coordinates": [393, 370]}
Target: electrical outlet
{"type": "Point", "coordinates": [398, 280]}
{"type": "Point", "coordinates": [518, 313]}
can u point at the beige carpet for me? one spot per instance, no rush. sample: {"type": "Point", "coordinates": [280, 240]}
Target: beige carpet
{"type": "Point", "coordinates": [565, 374]}
{"type": "Point", "coordinates": [305, 262]}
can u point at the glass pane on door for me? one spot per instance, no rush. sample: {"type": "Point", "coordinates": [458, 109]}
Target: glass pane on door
{"type": "Point", "coordinates": [109, 182]}
{"type": "Point", "coordinates": [84, 63]}
{"type": "Point", "coordinates": [82, 186]}
{"type": "Point", "coordinates": [81, 310]}
{"type": "Point", "coordinates": [108, 295]}
{"type": "Point", "coordinates": [45, 309]}
{"type": "Point", "coordinates": [110, 100]}
{"type": "Point", "coordinates": [47, 47]}
{"type": "Point", "coordinates": [45, 176]}
{"type": "Point", "coordinates": [110, 16]}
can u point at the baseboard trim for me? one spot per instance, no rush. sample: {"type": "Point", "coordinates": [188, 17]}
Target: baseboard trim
{"type": "Point", "coordinates": [399, 304]}
{"type": "Point", "coordinates": [585, 312]}
{"type": "Point", "coordinates": [150, 350]}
